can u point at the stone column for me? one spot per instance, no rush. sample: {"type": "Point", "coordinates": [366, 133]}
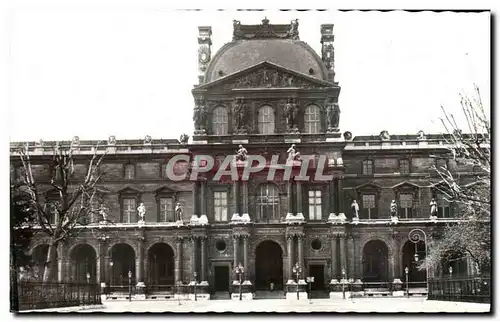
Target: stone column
{"type": "Point", "coordinates": [351, 272]}
{"type": "Point", "coordinates": [203, 198]}
{"type": "Point", "coordinates": [236, 246]}
{"type": "Point", "coordinates": [289, 197]}
{"type": "Point", "coordinates": [193, 256]}
{"type": "Point", "coordinates": [300, 252]}
{"type": "Point", "coordinates": [178, 261]}
{"type": "Point", "coordinates": [203, 259]}
{"type": "Point", "coordinates": [102, 264]}
{"type": "Point", "coordinates": [236, 197]}
{"type": "Point", "coordinates": [289, 246]}
{"type": "Point", "coordinates": [334, 264]}
{"type": "Point", "coordinates": [343, 261]}
{"type": "Point", "coordinates": [357, 259]}
{"type": "Point", "coordinates": [298, 184]}
{"type": "Point", "coordinates": [109, 267]}
{"type": "Point", "coordinates": [331, 198]}
{"type": "Point", "coordinates": [245, 197]}
{"type": "Point", "coordinates": [140, 265]}
{"type": "Point", "coordinates": [340, 196]}
{"type": "Point", "coordinates": [196, 211]}
{"type": "Point", "coordinates": [60, 269]}
{"type": "Point", "coordinates": [245, 255]}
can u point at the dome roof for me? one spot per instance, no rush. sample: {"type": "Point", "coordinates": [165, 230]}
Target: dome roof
{"type": "Point", "coordinates": [240, 54]}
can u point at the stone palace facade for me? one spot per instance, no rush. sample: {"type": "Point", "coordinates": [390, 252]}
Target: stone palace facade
{"type": "Point", "coordinates": [265, 90]}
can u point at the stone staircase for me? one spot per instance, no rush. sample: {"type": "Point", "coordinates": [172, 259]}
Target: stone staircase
{"type": "Point", "coordinates": [269, 295]}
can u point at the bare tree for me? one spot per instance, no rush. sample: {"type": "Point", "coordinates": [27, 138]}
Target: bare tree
{"type": "Point", "coordinates": [74, 204]}
{"type": "Point", "coordinates": [471, 233]}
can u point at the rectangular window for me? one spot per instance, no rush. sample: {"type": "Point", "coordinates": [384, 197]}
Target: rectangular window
{"type": "Point", "coordinates": [129, 210]}
{"type": "Point", "coordinates": [166, 210]}
{"type": "Point", "coordinates": [404, 166]}
{"type": "Point", "coordinates": [406, 205]}
{"type": "Point", "coordinates": [220, 205]}
{"type": "Point", "coordinates": [368, 167]}
{"type": "Point", "coordinates": [369, 207]}
{"type": "Point", "coordinates": [314, 204]}
{"type": "Point", "coordinates": [443, 207]}
{"type": "Point", "coordinates": [129, 171]}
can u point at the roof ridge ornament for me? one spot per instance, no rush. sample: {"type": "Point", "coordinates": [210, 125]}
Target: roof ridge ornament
{"type": "Point", "coordinates": [266, 30]}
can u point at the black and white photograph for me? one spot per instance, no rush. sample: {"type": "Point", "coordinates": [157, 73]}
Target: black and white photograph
{"type": "Point", "coordinates": [241, 161]}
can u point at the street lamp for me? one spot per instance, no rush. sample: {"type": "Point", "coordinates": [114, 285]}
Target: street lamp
{"type": "Point", "coordinates": [129, 285]}
{"type": "Point", "coordinates": [239, 270]}
{"type": "Point", "coordinates": [407, 289]}
{"type": "Point", "coordinates": [195, 283]}
{"type": "Point", "coordinates": [88, 283]}
{"type": "Point", "coordinates": [343, 283]}
{"type": "Point", "coordinates": [415, 236]}
{"type": "Point", "coordinates": [450, 270]}
{"type": "Point", "coordinates": [297, 270]}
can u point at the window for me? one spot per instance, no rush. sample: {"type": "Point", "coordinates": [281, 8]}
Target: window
{"type": "Point", "coordinates": [312, 119]}
{"type": "Point", "coordinates": [404, 166]}
{"type": "Point", "coordinates": [129, 171]}
{"type": "Point", "coordinates": [266, 120]}
{"type": "Point", "coordinates": [314, 204]}
{"type": "Point", "coordinates": [129, 210]}
{"type": "Point", "coordinates": [220, 206]}
{"type": "Point", "coordinates": [219, 121]}
{"type": "Point", "coordinates": [166, 210]}
{"type": "Point", "coordinates": [368, 167]}
{"type": "Point", "coordinates": [268, 202]}
{"type": "Point", "coordinates": [369, 208]}
{"type": "Point", "coordinates": [405, 205]}
{"type": "Point", "coordinates": [443, 206]}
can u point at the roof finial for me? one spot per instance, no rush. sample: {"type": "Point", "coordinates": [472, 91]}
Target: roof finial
{"type": "Point", "coordinates": [265, 21]}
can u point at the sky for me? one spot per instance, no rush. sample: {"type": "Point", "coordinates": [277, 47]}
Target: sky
{"type": "Point", "coordinates": [95, 71]}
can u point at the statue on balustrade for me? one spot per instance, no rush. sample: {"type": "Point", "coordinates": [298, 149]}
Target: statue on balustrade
{"type": "Point", "coordinates": [293, 154]}
{"type": "Point", "coordinates": [434, 209]}
{"type": "Point", "coordinates": [394, 209]}
{"type": "Point", "coordinates": [141, 210]}
{"type": "Point", "coordinates": [293, 32]}
{"type": "Point", "coordinates": [178, 211]}
{"type": "Point", "coordinates": [199, 115]}
{"type": "Point", "coordinates": [355, 209]}
{"type": "Point", "coordinates": [241, 154]}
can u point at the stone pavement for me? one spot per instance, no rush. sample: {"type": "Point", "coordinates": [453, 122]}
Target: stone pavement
{"type": "Point", "coordinates": [362, 305]}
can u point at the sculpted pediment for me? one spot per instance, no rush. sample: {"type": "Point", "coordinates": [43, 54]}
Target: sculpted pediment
{"type": "Point", "coordinates": [265, 75]}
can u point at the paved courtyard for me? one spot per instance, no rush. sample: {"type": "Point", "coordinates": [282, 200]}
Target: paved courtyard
{"type": "Point", "coordinates": [364, 305]}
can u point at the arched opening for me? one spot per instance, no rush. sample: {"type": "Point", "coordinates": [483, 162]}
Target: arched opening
{"type": "Point", "coordinates": [122, 262]}
{"type": "Point", "coordinates": [83, 260]}
{"type": "Point", "coordinates": [39, 259]}
{"type": "Point", "coordinates": [411, 261]}
{"type": "Point", "coordinates": [268, 266]}
{"type": "Point", "coordinates": [375, 262]}
{"type": "Point", "coordinates": [161, 266]}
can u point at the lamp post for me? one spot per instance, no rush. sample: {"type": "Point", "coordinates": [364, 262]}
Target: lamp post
{"type": "Point", "coordinates": [407, 289]}
{"type": "Point", "coordinates": [343, 283]}
{"type": "Point", "coordinates": [195, 283]}
{"type": "Point", "coordinates": [415, 236]}
{"type": "Point", "coordinates": [88, 283]}
{"type": "Point", "coordinates": [239, 270]}
{"type": "Point", "coordinates": [179, 283]}
{"type": "Point", "coordinates": [450, 270]}
{"type": "Point", "coordinates": [129, 286]}
{"type": "Point", "coordinates": [297, 270]}
{"type": "Point", "coordinates": [111, 276]}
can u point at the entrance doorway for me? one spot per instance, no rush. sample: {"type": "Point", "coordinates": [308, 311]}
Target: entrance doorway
{"type": "Point", "coordinates": [221, 277]}
{"type": "Point", "coordinates": [317, 271]}
{"type": "Point", "coordinates": [375, 262]}
{"type": "Point", "coordinates": [268, 266]}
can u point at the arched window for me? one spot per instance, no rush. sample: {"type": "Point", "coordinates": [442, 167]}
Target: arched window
{"type": "Point", "coordinates": [268, 202]}
{"type": "Point", "coordinates": [219, 121]}
{"type": "Point", "coordinates": [266, 120]}
{"type": "Point", "coordinates": [312, 119]}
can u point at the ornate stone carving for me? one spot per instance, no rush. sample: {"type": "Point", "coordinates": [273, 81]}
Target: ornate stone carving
{"type": "Point", "coordinates": [290, 112]}
{"type": "Point", "coordinates": [241, 154]}
{"type": "Point", "coordinates": [184, 138]}
{"type": "Point", "coordinates": [293, 33]}
{"type": "Point", "coordinates": [204, 50]}
{"type": "Point", "coordinates": [266, 30]}
{"type": "Point", "coordinates": [147, 139]}
{"type": "Point", "coordinates": [267, 77]}
{"type": "Point", "coordinates": [178, 212]}
{"type": "Point", "coordinates": [420, 135]}
{"type": "Point", "coordinates": [141, 210]}
{"type": "Point", "coordinates": [75, 141]}
{"type": "Point", "coordinates": [327, 49]}
{"type": "Point", "coordinates": [293, 153]}
{"type": "Point", "coordinates": [111, 140]}
{"type": "Point", "coordinates": [199, 115]}
{"type": "Point", "coordinates": [384, 136]}
{"type": "Point", "coordinates": [434, 209]}
{"type": "Point", "coordinates": [347, 136]}
{"type": "Point", "coordinates": [332, 115]}
{"type": "Point", "coordinates": [239, 114]}
{"type": "Point", "coordinates": [355, 209]}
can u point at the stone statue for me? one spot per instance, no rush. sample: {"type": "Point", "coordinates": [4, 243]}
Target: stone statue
{"type": "Point", "coordinates": [184, 138]}
{"type": "Point", "coordinates": [355, 209]}
{"type": "Point", "coordinates": [75, 141]}
{"type": "Point", "coordinates": [293, 154]}
{"type": "Point", "coordinates": [347, 136]}
{"type": "Point", "coordinates": [294, 29]}
{"type": "Point", "coordinates": [141, 210]}
{"type": "Point", "coordinates": [147, 139]}
{"type": "Point", "coordinates": [290, 113]}
{"type": "Point", "coordinates": [199, 115]}
{"type": "Point", "coordinates": [433, 205]}
{"type": "Point", "coordinates": [241, 154]}
{"type": "Point", "coordinates": [112, 140]}
{"type": "Point", "coordinates": [384, 135]}
{"type": "Point", "coordinates": [102, 212]}
{"type": "Point", "coordinates": [178, 211]}
{"type": "Point", "coordinates": [420, 135]}
{"type": "Point", "coordinates": [394, 209]}
{"type": "Point", "coordinates": [236, 29]}
{"type": "Point", "coordinates": [239, 114]}
{"type": "Point", "coordinates": [329, 114]}
{"type": "Point", "coordinates": [336, 115]}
